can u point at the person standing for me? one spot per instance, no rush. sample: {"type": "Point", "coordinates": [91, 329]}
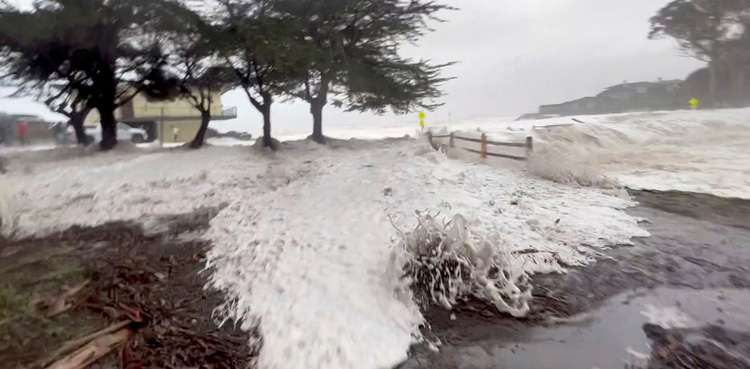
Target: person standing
{"type": "Point", "coordinates": [59, 130]}
{"type": "Point", "coordinates": [22, 130]}
{"type": "Point", "coordinates": [175, 133]}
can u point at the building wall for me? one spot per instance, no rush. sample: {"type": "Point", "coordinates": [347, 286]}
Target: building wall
{"type": "Point", "coordinates": [187, 130]}
{"type": "Point", "coordinates": [143, 108]}
{"type": "Point", "coordinates": [93, 117]}
{"type": "Point", "coordinates": [176, 108]}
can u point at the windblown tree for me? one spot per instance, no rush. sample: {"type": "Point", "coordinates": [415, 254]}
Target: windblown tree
{"type": "Point", "coordinates": [714, 31]}
{"type": "Point", "coordinates": [27, 62]}
{"type": "Point", "coordinates": [258, 45]}
{"type": "Point", "coordinates": [202, 86]}
{"type": "Point", "coordinates": [350, 50]}
{"type": "Point", "coordinates": [203, 77]}
{"type": "Point", "coordinates": [104, 52]}
{"type": "Point", "coordinates": [74, 106]}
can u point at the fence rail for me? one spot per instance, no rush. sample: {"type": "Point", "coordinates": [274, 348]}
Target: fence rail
{"type": "Point", "coordinates": [484, 142]}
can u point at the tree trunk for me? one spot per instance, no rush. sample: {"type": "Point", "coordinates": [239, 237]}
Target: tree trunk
{"type": "Point", "coordinates": [316, 108]}
{"type": "Point", "coordinates": [109, 125]}
{"type": "Point", "coordinates": [267, 140]}
{"type": "Point", "coordinates": [712, 81]}
{"type": "Point", "coordinates": [106, 84]}
{"type": "Point", "coordinates": [200, 137]}
{"type": "Point", "coordinates": [77, 120]}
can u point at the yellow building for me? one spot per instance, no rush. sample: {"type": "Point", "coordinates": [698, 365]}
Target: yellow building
{"type": "Point", "coordinates": [174, 120]}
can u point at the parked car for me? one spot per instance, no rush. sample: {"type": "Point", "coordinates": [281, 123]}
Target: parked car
{"type": "Point", "coordinates": [124, 133]}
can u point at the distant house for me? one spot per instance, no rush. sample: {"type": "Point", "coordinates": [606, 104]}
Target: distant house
{"type": "Point", "coordinates": [638, 96]}
{"type": "Point", "coordinates": [586, 105]}
{"type": "Point", "coordinates": [628, 91]}
{"type": "Point", "coordinates": [160, 118]}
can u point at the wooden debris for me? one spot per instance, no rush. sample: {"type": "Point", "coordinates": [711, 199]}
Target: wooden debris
{"type": "Point", "coordinates": [9, 251]}
{"type": "Point", "coordinates": [94, 350]}
{"type": "Point", "coordinates": [73, 345]}
{"type": "Point", "coordinates": [60, 304]}
{"type": "Point", "coordinates": [34, 301]}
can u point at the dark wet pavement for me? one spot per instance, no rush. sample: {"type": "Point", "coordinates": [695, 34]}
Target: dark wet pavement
{"type": "Point", "coordinates": [691, 275]}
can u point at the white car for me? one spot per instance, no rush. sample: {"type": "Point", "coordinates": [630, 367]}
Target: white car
{"type": "Point", "coordinates": [124, 133]}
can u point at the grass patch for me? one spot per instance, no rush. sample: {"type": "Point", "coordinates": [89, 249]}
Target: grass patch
{"type": "Point", "coordinates": [152, 283]}
{"type": "Point", "coordinates": [33, 271]}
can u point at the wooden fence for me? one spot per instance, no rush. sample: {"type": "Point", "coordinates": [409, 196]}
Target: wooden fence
{"type": "Point", "coordinates": [484, 144]}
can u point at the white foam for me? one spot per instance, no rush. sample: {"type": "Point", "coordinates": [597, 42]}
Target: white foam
{"type": "Point", "coordinates": [696, 151]}
{"type": "Point", "coordinates": [303, 247]}
{"type": "Point", "coordinates": [308, 263]}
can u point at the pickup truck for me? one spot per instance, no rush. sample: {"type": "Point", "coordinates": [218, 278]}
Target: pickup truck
{"type": "Point", "coordinates": [124, 133]}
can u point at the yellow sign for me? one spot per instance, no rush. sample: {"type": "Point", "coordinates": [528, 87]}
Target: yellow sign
{"type": "Point", "coordinates": [422, 115]}
{"type": "Point", "coordinates": [694, 103]}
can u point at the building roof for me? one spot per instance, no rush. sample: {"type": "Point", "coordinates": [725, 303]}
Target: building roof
{"type": "Point", "coordinates": [581, 100]}
{"type": "Point", "coordinates": [633, 85]}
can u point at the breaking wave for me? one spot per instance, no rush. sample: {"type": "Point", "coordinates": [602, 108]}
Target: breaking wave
{"type": "Point", "coordinates": [444, 263]}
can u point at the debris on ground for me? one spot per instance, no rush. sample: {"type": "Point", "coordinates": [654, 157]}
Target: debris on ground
{"type": "Point", "coordinates": [712, 347]}
{"type": "Point", "coordinates": [94, 350]}
{"type": "Point", "coordinates": [114, 295]}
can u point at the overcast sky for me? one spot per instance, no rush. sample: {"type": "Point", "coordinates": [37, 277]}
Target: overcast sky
{"type": "Point", "coordinates": [515, 55]}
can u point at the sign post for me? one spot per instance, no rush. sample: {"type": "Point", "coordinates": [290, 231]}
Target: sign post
{"type": "Point", "coordinates": [422, 115]}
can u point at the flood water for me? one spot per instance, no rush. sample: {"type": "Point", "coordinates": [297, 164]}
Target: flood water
{"type": "Point", "coordinates": [693, 273]}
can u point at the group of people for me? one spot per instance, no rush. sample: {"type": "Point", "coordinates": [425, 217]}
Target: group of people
{"type": "Point", "coordinates": [19, 132]}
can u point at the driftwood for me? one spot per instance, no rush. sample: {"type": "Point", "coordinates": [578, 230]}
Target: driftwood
{"type": "Point", "coordinates": [94, 350]}
{"type": "Point", "coordinates": [60, 304]}
{"type": "Point", "coordinates": [73, 345]}
{"type": "Point", "coordinates": [54, 306]}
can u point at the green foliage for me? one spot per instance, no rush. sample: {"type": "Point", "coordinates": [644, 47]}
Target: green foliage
{"type": "Point", "coordinates": [102, 51]}
{"type": "Point", "coordinates": [703, 28]}
{"type": "Point", "coordinates": [196, 62]}
{"type": "Point", "coordinates": [352, 45]}
{"type": "Point", "coordinates": [78, 40]}
{"type": "Point", "coordinates": [348, 50]}
{"type": "Point", "coordinates": [715, 31]}
{"type": "Point", "coordinates": [260, 47]}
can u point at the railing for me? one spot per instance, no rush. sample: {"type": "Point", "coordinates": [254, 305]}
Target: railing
{"type": "Point", "coordinates": [229, 112]}
{"type": "Point", "coordinates": [484, 142]}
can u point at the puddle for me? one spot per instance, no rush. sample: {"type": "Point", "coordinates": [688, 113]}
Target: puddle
{"type": "Point", "coordinates": [611, 336]}
{"type": "Point", "coordinates": [692, 277]}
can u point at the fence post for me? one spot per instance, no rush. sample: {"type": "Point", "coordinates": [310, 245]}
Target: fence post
{"type": "Point", "coordinates": [451, 142]}
{"type": "Point", "coordinates": [484, 146]}
{"type": "Point", "coordinates": [529, 146]}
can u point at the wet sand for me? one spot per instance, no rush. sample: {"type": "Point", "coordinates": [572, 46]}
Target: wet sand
{"type": "Point", "coordinates": [691, 277]}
